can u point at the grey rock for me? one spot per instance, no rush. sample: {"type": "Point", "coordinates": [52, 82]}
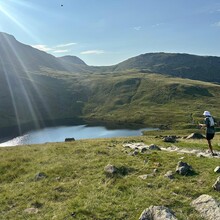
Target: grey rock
{"type": "Point", "coordinates": [31, 210]}
{"type": "Point", "coordinates": [169, 175]}
{"type": "Point", "coordinates": [216, 185]}
{"type": "Point", "coordinates": [208, 207]}
{"type": "Point", "coordinates": [195, 136]}
{"type": "Point", "coordinates": [153, 147]}
{"type": "Point", "coordinates": [110, 169]}
{"type": "Point", "coordinates": [217, 169]}
{"type": "Point", "coordinates": [170, 139]}
{"type": "Point", "coordinates": [183, 168]}
{"type": "Point", "coordinates": [69, 139]}
{"type": "Point", "coordinates": [157, 213]}
{"type": "Point", "coordinates": [145, 176]}
{"type": "Point", "coordinates": [144, 149]}
{"type": "Point", "coordinates": [40, 176]}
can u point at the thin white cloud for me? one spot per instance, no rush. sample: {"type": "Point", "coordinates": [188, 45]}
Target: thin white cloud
{"type": "Point", "coordinates": [60, 51]}
{"type": "Point", "coordinates": [66, 45]}
{"type": "Point", "coordinates": [42, 47]}
{"type": "Point", "coordinates": [137, 28]}
{"type": "Point", "coordinates": [216, 24]}
{"type": "Point", "coordinates": [61, 48]}
{"type": "Point", "coordinates": [92, 52]}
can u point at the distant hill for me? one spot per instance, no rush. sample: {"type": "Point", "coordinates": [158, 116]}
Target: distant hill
{"type": "Point", "coordinates": [205, 68]}
{"type": "Point", "coordinates": [17, 56]}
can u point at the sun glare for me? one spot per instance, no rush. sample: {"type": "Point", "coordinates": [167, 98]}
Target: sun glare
{"type": "Point", "coordinates": [9, 12]}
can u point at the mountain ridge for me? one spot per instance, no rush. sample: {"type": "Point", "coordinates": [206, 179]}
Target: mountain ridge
{"type": "Point", "coordinates": [36, 87]}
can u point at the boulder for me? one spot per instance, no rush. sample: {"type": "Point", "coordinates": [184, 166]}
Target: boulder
{"type": "Point", "coordinates": [183, 168]}
{"type": "Point", "coordinates": [170, 139]}
{"type": "Point", "coordinates": [208, 207]}
{"type": "Point", "coordinates": [217, 169]}
{"type": "Point", "coordinates": [69, 139]}
{"type": "Point", "coordinates": [110, 169]}
{"type": "Point", "coordinates": [195, 136]}
{"type": "Point", "coordinates": [153, 147]}
{"type": "Point", "coordinates": [157, 213]}
{"type": "Point", "coordinates": [216, 185]}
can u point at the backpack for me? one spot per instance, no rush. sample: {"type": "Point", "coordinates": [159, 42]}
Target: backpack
{"type": "Point", "coordinates": [211, 122]}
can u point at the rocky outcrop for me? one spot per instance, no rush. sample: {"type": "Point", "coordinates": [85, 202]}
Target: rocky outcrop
{"type": "Point", "coordinates": [157, 213]}
{"type": "Point", "coordinates": [141, 147]}
{"type": "Point", "coordinates": [195, 136]}
{"type": "Point", "coordinates": [183, 168]}
{"type": "Point", "coordinates": [208, 207]}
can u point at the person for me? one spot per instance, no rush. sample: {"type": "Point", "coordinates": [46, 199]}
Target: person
{"type": "Point", "coordinates": [210, 129]}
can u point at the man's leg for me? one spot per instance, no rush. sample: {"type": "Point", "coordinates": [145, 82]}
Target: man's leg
{"type": "Point", "coordinates": [210, 146]}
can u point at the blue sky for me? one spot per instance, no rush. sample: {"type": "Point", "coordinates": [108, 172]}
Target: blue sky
{"type": "Point", "coordinates": [106, 32]}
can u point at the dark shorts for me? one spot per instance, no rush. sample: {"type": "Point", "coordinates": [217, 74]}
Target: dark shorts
{"type": "Point", "coordinates": [210, 136]}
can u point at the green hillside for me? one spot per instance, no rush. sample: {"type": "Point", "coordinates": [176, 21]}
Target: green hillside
{"type": "Point", "coordinates": [150, 100]}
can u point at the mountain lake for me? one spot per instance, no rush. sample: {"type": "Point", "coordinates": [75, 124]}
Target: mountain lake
{"type": "Point", "coordinates": [59, 134]}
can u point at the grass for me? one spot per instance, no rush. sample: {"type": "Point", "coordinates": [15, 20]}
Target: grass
{"type": "Point", "coordinates": [76, 187]}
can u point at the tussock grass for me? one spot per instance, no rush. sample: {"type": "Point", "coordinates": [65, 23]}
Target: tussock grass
{"type": "Point", "coordinates": [76, 186]}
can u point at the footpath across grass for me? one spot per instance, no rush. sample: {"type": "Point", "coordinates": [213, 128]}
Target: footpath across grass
{"type": "Point", "coordinates": [73, 185]}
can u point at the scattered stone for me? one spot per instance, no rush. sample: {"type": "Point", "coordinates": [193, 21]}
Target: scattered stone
{"type": "Point", "coordinates": [169, 175]}
{"type": "Point", "coordinates": [195, 136]}
{"type": "Point", "coordinates": [208, 207]}
{"type": "Point", "coordinates": [217, 169]}
{"type": "Point", "coordinates": [40, 176]}
{"type": "Point", "coordinates": [149, 185]}
{"type": "Point", "coordinates": [183, 168]}
{"type": "Point", "coordinates": [157, 213]}
{"type": "Point", "coordinates": [144, 149]}
{"type": "Point", "coordinates": [145, 176]}
{"type": "Point", "coordinates": [134, 146]}
{"type": "Point", "coordinates": [170, 139]}
{"type": "Point", "coordinates": [69, 139]}
{"type": "Point", "coordinates": [153, 147]}
{"type": "Point", "coordinates": [136, 152]}
{"type": "Point", "coordinates": [31, 210]}
{"type": "Point", "coordinates": [216, 185]}
{"type": "Point", "coordinates": [110, 169]}
{"type": "Point", "coordinates": [157, 164]}
{"type": "Point", "coordinates": [155, 170]}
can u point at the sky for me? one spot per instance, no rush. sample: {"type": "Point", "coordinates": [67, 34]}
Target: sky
{"type": "Point", "coordinates": [107, 32]}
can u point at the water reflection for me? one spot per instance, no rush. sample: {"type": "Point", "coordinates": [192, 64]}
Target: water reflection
{"type": "Point", "coordinates": [58, 134]}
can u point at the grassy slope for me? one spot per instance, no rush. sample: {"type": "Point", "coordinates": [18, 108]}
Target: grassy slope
{"type": "Point", "coordinates": [150, 99]}
{"type": "Point", "coordinates": [76, 182]}
{"type": "Point", "coordinates": [125, 98]}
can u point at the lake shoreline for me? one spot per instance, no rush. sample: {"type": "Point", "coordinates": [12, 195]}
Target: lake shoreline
{"type": "Point", "coordinates": [78, 132]}
{"type": "Point", "coordinates": [7, 133]}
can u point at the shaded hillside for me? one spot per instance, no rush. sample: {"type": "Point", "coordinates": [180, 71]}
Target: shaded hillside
{"type": "Point", "coordinates": [18, 57]}
{"type": "Point", "coordinates": [205, 68]}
